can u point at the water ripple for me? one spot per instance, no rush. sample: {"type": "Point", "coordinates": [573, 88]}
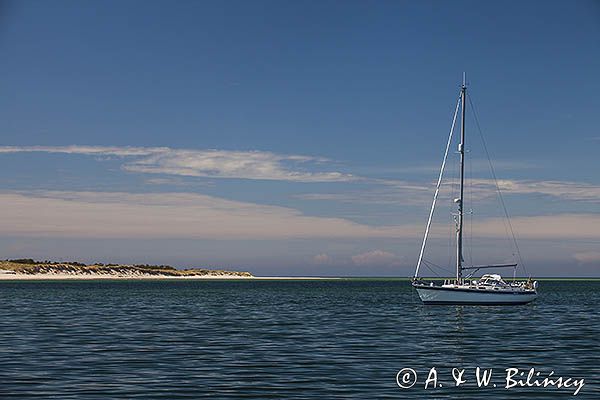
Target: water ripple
{"type": "Point", "coordinates": [280, 339]}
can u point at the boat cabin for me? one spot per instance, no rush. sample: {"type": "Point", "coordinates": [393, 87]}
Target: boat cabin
{"type": "Point", "coordinates": [490, 280]}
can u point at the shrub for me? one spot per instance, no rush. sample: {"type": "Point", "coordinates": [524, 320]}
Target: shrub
{"type": "Point", "coordinates": [23, 261]}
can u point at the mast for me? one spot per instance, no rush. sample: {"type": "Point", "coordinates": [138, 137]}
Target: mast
{"type": "Point", "coordinates": [459, 201]}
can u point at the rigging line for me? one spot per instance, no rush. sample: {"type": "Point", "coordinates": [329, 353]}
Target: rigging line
{"type": "Point", "coordinates": [428, 265]}
{"type": "Point", "coordinates": [437, 189]}
{"type": "Point", "coordinates": [506, 222]}
{"type": "Point", "coordinates": [438, 266]}
{"type": "Point", "coordinates": [430, 269]}
{"type": "Point", "coordinates": [497, 186]}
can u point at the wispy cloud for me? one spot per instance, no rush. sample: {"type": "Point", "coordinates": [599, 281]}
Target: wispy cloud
{"type": "Point", "coordinates": [264, 165]}
{"type": "Point", "coordinates": [87, 150]}
{"type": "Point", "coordinates": [176, 181]}
{"type": "Point", "coordinates": [588, 257]}
{"type": "Point", "coordinates": [195, 216]}
{"type": "Point", "coordinates": [205, 163]}
{"type": "Point", "coordinates": [578, 191]}
{"type": "Point", "coordinates": [380, 192]}
{"type": "Point", "coordinates": [474, 165]}
{"type": "Point", "coordinates": [415, 193]}
{"type": "Point", "coordinates": [373, 258]}
{"type": "Point", "coordinates": [566, 226]}
{"type": "Point", "coordinates": [166, 215]}
{"type": "Point", "coordinates": [377, 258]}
{"type": "Point", "coordinates": [323, 259]}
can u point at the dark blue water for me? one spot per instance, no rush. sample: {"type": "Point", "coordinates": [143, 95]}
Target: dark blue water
{"type": "Point", "coordinates": [283, 339]}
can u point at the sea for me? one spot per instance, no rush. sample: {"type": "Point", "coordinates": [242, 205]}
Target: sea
{"type": "Point", "coordinates": [291, 339]}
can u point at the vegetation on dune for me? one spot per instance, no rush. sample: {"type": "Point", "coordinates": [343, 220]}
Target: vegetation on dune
{"type": "Point", "coordinates": [32, 267]}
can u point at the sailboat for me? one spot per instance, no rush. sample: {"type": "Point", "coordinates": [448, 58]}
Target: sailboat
{"type": "Point", "coordinates": [489, 289]}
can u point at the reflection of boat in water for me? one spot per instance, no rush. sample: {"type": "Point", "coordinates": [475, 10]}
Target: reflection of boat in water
{"type": "Point", "coordinates": [490, 288]}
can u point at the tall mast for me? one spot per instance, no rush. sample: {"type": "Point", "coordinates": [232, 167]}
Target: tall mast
{"type": "Point", "coordinates": [461, 150]}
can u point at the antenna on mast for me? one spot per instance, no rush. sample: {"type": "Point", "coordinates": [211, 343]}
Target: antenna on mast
{"type": "Point", "coordinates": [464, 79]}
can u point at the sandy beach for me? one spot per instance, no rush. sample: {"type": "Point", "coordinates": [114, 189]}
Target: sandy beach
{"type": "Point", "coordinates": [29, 269]}
{"type": "Point", "coordinates": [62, 276]}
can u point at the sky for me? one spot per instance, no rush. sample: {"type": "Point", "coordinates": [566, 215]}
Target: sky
{"type": "Point", "coordinates": [298, 138]}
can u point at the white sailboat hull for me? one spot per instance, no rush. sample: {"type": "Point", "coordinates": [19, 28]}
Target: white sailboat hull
{"type": "Point", "coordinates": [449, 295]}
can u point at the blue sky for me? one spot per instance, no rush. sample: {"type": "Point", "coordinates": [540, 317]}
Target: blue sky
{"type": "Point", "coordinates": [292, 138]}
